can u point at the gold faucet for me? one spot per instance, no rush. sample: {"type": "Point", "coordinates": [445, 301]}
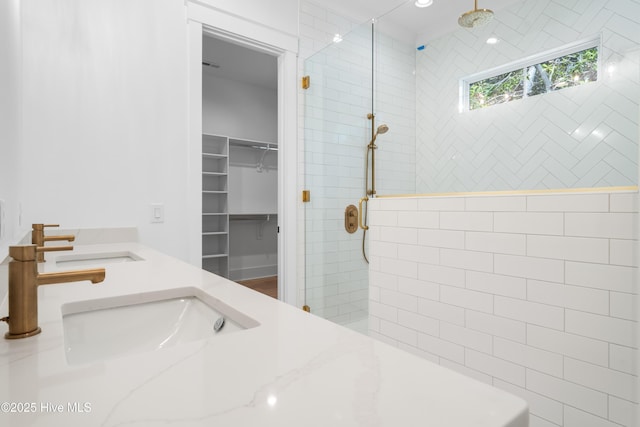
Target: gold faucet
{"type": "Point", "coordinates": [24, 280]}
{"type": "Point", "coordinates": [38, 238]}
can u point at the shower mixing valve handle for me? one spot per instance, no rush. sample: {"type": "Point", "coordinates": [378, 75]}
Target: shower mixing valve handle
{"type": "Point", "coordinates": [362, 225]}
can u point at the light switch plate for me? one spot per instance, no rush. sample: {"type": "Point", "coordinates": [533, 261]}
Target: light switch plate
{"type": "Point", "coordinates": [157, 212]}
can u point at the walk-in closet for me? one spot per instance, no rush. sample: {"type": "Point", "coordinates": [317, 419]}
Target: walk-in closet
{"type": "Point", "coordinates": [239, 165]}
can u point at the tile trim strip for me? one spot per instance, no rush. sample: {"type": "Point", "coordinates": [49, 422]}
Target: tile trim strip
{"type": "Point", "coordinates": [630, 188]}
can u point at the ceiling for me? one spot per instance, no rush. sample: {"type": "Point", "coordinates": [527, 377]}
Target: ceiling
{"type": "Point", "coordinates": [400, 18]}
{"type": "Point", "coordinates": [239, 63]}
{"type": "Point", "coordinates": [403, 19]}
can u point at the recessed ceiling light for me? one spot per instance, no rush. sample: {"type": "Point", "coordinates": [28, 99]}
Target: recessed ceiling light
{"type": "Point", "coordinates": [423, 3]}
{"type": "Point", "coordinates": [337, 38]}
{"type": "Point", "coordinates": [492, 40]}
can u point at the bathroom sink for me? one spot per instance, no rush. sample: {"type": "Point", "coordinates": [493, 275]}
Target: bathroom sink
{"type": "Point", "coordinates": [82, 260]}
{"type": "Point", "coordinates": [113, 327]}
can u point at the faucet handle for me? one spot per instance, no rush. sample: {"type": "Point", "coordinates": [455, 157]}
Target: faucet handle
{"type": "Point", "coordinates": [53, 248]}
{"type": "Point", "coordinates": [23, 253]}
{"type": "Point", "coordinates": [68, 238]}
{"type": "Point", "coordinates": [41, 227]}
{"type": "Point", "coordinates": [29, 252]}
{"type": "Point", "coordinates": [38, 238]}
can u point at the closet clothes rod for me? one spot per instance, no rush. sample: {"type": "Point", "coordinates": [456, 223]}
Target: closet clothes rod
{"type": "Point", "coordinates": [259, 165]}
{"type": "Point", "coordinates": [251, 217]}
{"type": "Point", "coordinates": [258, 145]}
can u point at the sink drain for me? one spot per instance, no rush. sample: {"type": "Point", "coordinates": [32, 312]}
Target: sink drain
{"type": "Point", "coordinates": [219, 324]}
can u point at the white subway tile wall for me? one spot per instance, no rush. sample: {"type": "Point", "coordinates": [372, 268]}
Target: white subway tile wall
{"type": "Point", "coordinates": [395, 106]}
{"type": "Point", "coordinates": [532, 304]}
{"type": "Point", "coordinates": [579, 137]}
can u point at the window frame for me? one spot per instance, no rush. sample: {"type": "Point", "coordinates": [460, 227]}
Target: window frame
{"type": "Point", "coordinates": [539, 58]}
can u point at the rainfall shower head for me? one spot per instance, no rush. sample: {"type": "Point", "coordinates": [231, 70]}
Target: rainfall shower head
{"type": "Point", "coordinates": [476, 17]}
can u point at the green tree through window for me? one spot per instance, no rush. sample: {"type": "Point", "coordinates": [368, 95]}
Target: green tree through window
{"type": "Point", "coordinates": [565, 71]}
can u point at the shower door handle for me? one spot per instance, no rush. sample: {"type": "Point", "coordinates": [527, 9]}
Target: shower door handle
{"type": "Point", "coordinates": [364, 199]}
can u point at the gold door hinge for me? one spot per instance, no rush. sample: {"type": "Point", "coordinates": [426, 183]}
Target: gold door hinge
{"type": "Point", "coordinates": [306, 82]}
{"type": "Point", "coordinates": [306, 196]}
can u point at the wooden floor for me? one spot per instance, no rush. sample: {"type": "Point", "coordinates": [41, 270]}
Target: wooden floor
{"type": "Point", "coordinates": [265, 285]}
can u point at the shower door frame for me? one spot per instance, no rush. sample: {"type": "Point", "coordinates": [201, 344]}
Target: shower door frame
{"type": "Point", "coordinates": [321, 291]}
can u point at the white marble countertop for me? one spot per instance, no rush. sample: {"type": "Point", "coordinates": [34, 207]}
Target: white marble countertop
{"type": "Point", "coordinates": [293, 369]}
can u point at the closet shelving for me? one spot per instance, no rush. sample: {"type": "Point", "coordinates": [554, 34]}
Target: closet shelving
{"type": "Point", "coordinates": [216, 198]}
{"type": "Point", "coordinates": [215, 204]}
{"type": "Point", "coordinates": [254, 217]}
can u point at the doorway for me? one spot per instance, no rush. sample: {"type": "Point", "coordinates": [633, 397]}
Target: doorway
{"type": "Point", "coordinates": [240, 164]}
{"type": "Point", "coordinates": [284, 152]}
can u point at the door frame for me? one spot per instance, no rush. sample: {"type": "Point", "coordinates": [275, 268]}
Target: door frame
{"type": "Point", "coordinates": [202, 20]}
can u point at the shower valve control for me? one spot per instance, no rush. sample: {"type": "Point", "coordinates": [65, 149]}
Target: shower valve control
{"type": "Point", "coordinates": [351, 219]}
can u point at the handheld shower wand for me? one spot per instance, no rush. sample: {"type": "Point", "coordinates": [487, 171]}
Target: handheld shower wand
{"type": "Point", "coordinates": [362, 211]}
{"type": "Point", "coordinates": [381, 129]}
{"type": "Point", "coordinates": [371, 146]}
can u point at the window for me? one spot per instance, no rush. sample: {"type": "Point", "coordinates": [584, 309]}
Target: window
{"type": "Point", "coordinates": [562, 68]}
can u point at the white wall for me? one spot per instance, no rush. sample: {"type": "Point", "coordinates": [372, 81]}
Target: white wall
{"type": "Point", "coordinates": [277, 14]}
{"type": "Point", "coordinates": [105, 111]}
{"type": "Point", "coordinates": [535, 294]}
{"type": "Point", "coordinates": [395, 106]}
{"type": "Point", "coordinates": [10, 115]}
{"type": "Point", "coordinates": [253, 181]}
{"type": "Point", "coordinates": [579, 137]}
{"type": "Point", "coordinates": [253, 248]}
{"type": "Point", "coordinates": [105, 117]}
{"type": "Point", "coordinates": [253, 245]}
{"type": "Point", "coordinates": [10, 108]}
{"type": "Point", "coordinates": [239, 109]}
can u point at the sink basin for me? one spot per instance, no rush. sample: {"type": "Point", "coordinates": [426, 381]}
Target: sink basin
{"type": "Point", "coordinates": [82, 260]}
{"type": "Point", "coordinates": [113, 327]}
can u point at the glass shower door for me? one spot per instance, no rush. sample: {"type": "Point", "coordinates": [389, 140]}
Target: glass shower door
{"type": "Point", "coordinates": [336, 133]}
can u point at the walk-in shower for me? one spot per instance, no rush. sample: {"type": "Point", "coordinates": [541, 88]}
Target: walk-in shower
{"type": "Point", "coordinates": [498, 233]}
{"type": "Point", "coordinates": [360, 87]}
{"type": "Point", "coordinates": [437, 144]}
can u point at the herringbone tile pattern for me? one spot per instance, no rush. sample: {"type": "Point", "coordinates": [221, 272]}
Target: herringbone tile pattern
{"type": "Point", "coordinates": [585, 136]}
